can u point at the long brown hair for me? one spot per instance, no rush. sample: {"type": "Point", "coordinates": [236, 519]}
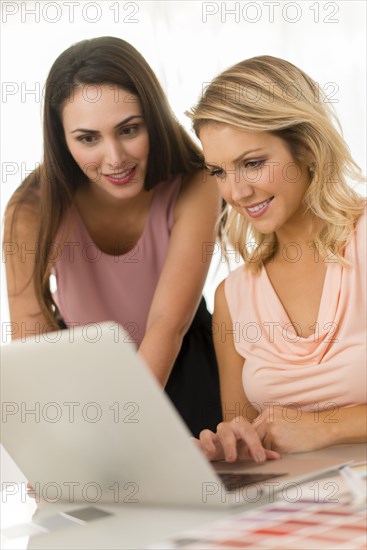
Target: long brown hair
{"type": "Point", "coordinates": [103, 60]}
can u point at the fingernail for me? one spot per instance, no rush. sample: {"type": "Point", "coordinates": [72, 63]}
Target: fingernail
{"type": "Point", "coordinates": [260, 457]}
{"type": "Point", "coordinates": [229, 456]}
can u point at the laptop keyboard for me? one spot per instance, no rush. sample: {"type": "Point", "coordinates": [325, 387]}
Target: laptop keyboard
{"type": "Point", "coordinates": [235, 481]}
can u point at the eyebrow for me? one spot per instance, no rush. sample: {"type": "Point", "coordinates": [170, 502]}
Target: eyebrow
{"type": "Point", "coordinates": [122, 123]}
{"type": "Point", "coordinates": [208, 164]}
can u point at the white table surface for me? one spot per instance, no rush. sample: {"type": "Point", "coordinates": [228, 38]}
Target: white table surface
{"type": "Point", "coordinates": [130, 525]}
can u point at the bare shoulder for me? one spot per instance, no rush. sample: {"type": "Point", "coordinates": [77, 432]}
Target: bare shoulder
{"type": "Point", "coordinates": [220, 302]}
{"type": "Point", "coordinates": [21, 219]}
{"type": "Point", "coordinates": [220, 292]}
{"type": "Point", "coordinates": [198, 190]}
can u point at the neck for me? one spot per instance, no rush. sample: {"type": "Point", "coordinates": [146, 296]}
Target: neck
{"type": "Point", "coordinates": [299, 234]}
{"type": "Point", "coordinates": [96, 198]}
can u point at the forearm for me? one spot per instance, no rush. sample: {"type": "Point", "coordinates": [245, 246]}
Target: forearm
{"type": "Point", "coordinates": [312, 430]}
{"type": "Point", "coordinates": [346, 425]}
{"type": "Point", "coordinates": [160, 347]}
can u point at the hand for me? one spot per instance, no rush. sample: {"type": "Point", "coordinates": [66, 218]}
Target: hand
{"type": "Point", "coordinates": [234, 440]}
{"type": "Point", "coordinates": [289, 430]}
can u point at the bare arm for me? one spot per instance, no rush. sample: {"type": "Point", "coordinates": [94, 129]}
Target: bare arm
{"type": "Point", "coordinates": [351, 426]}
{"type": "Point", "coordinates": [234, 400]}
{"type": "Point", "coordinates": [235, 437]}
{"type": "Point", "coordinates": [312, 430]}
{"type": "Point", "coordinates": [20, 257]}
{"type": "Point", "coordinates": [182, 279]}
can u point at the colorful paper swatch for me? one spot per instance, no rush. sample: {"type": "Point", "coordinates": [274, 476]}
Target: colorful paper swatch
{"type": "Point", "coordinates": [280, 526]}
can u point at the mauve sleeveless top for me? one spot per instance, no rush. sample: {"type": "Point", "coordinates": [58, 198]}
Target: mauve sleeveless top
{"type": "Point", "coordinates": [93, 287]}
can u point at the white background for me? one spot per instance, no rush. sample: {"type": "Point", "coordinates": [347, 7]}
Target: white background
{"type": "Point", "coordinates": [186, 43]}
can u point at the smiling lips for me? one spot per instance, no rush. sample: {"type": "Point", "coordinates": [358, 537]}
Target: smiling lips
{"type": "Point", "coordinates": [258, 209]}
{"type": "Point", "coordinates": [121, 178]}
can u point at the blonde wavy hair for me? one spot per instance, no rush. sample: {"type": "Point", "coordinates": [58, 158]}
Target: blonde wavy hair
{"type": "Point", "coordinates": [269, 94]}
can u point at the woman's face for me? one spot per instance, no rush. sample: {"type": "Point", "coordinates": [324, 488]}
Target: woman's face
{"type": "Point", "coordinates": [106, 134]}
{"type": "Point", "coordinates": [256, 174]}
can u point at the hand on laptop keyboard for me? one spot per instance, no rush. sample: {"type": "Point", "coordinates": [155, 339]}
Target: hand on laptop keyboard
{"type": "Point", "coordinates": [234, 440]}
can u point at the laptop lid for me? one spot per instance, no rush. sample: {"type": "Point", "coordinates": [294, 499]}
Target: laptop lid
{"type": "Point", "coordinates": [85, 420]}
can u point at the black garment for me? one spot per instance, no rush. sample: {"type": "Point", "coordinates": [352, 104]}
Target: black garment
{"type": "Point", "coordinates": [193, 385]}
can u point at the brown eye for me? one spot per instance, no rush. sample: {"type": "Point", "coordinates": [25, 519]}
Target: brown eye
{"type": "Point", "coordinates": [130, 131]}
{"type": "Point", "coordinates": [217, 173]}
{"type": "Point", "coordinates": [254, 164]}
{"type": "Point", "coordinates": [87, 140]}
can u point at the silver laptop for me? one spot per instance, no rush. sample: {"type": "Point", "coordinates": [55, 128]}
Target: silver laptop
{"type": "Point", "coordinates": [85, 420]}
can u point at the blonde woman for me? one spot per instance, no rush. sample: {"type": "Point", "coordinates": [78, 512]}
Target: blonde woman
{"type": "Point", "coordinates": [289, 324]}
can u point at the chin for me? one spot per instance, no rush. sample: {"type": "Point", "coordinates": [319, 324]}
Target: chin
{"type": "Point", "coordinates": [266, 228]}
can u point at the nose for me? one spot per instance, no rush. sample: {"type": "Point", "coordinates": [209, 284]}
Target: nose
{"type": "Point", "coordinates": [114, 153]}
{"type": "Point", "coordinates": [241, 189]}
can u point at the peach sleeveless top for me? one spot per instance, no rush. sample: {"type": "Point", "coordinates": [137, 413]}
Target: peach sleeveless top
{"type": "Point", "coordinates": [325, 370]}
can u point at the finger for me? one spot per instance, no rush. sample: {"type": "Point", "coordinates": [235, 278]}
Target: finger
{"type": "Point", "coordinates": [261, 429]}
{"type": "Point", "coordinates": [196, 442]}
{"type": "Point", "coordinates": [244, 454]}
{"type": "Point", "coordinates": [203, 448]}
{"type": "Point", "coordinates": [247, 433]}
{"type": "Point", "coordinates": [228, 440]}
{"type": "Point", "coordinates": [257, 419]}
{"type": "Point", "coordinates": [206, 438]}
{"type": "Point", "coordinates": [272, 455]}
{"type": "Point", "coordinates": [266, 441]}
{"type": "Point", "coordinates": [210, 445]}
